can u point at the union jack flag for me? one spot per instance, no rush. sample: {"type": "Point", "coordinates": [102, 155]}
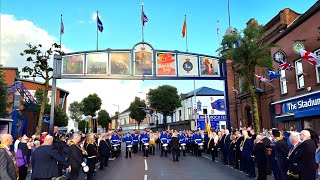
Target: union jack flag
{"type": "Point", "coordinates": [285, 66]}
{"type": "Point", "coordinates": [144, 18]}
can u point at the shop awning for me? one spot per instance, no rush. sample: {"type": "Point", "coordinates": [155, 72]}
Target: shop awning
{"type": "Point", "coordinates": [285, 117]}
{"type": "Point", "coordinates": [306, 113]}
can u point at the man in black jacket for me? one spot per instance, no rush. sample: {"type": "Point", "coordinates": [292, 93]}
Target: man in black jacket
{"type": "Point", "coordinates": [75, 157]}
{"type": "Point", "coordinates": [104, 151]}
{"type": "Point", "coordinates": [281, 152]}
{"type": "Point", "coordinates": [44, 161]}
{"type": "Point", "coordinates": [175, 146]}
{"type": "Point", "coordinates": [226, 148]}
{"type": "Point", "coordinates": [260, 155]}
{"type": "Point", "coordinates": [8, 168]}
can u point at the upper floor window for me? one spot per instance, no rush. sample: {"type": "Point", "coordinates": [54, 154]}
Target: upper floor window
{"type": "Point", "coordinates": [299, 74]}
{"type": "Point", "coordinates": [240, 85]}
{"type": "Point", "coordinates": [283, 82]}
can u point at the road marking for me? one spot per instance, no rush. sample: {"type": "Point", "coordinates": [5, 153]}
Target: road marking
{"type": "Point", "coordinates": [145, 165]}
{"type": "Point", "coordinates": [207, 157]}
{"type": "Point", "coordinates": [145, 177]}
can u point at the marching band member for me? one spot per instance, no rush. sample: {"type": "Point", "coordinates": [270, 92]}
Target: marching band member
{"type": "Point", "coordinates": [182, 140]}
{"type": "Point", "coordinates": [169, 140]}
{"type": "Point", "coordinates": [115, 140]}
{"type": "Point", "coordinates": [145, 139]}
{"type": "Point", "coordinates": [135, 142]}
{"type": "Point", "coordinates": [129, 141]}
{"type": "Point", "coordinates": [198, 140]}
{"type": "Point", "coordinates": [164, 140]}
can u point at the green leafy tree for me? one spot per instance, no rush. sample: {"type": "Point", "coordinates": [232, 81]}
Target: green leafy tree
{"type": "Point", "coordinates": [75, 112]}
{"type": "Point", "coordinates": [40, 68]}
{"type": "Point", "coordinates": [91, 104]}
{"type": "Point", "coordinates": [3, 95]}
{"type": "Point", "coordinates": [136, 110]}
{"type": "Point", "coordinates": [253, 52]}
{"type": "Point", "coordinates": [165, 99]}
{"type": "Point", "coordinates": [60, 117]}
{"type": "Point", "coordinates": [83, 124]}
{"type": "Point", "coordinates": [104, 118]}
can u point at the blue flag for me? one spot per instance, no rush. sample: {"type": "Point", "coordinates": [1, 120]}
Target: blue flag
{"type": "Point", "coordinates": [272, 74]}
{"type": "Point", "coordinates": [99, 24]}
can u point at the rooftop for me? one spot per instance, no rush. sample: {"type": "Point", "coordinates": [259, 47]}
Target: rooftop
{"type": "Point", "coordinates": [204, 91]}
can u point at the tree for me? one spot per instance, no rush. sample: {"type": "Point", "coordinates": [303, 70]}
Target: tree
{"type": "Point", "coordinates": [104, 118]}
{"type": "Point", "coordinates": [3, 95]}
{"type": "Point", "coordinates": [83, 124]}
{"type": "Point", "coordinates": [40, 68]}
{"type": "Point", "coordinates": [60, 117]}
{"type": "Point", "coordinates": [75, 112]}
{"type": "Point", "coordinates": [165, 99]}
{"type": "Point", "coordinates": [38, 95]}
{"type": "Point", "coordinates": [91, 104]}
{"type": "Point", "coordinates": [136, 110]}
{"type": "Point", "coordinates": [251, 53]}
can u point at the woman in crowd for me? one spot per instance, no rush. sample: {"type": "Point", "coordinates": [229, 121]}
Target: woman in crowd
{"type": "Point", "coordinates": [23, 157]}
{"type": "Point", "coordinates": [92, 152]}
{"type": "Point", "coordinates": [152, 143]}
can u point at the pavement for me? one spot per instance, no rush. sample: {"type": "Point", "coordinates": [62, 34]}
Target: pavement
{"type": "Point", "coordinates": [155, 167]}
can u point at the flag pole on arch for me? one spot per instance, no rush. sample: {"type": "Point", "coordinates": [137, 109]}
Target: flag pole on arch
{"type": "Point", "coordinates": [61, 30]}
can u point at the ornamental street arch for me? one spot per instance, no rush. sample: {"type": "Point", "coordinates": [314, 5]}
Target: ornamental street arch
{"type": "Point", "coordinates": [142, 62]}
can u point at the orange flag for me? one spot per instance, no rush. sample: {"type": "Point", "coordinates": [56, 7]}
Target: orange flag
{"type": "Point", "coordinates": [184, 28]}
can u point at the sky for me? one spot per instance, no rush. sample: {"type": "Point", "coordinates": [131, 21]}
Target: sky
{"type": "Point", "coordinates": [39, 22]}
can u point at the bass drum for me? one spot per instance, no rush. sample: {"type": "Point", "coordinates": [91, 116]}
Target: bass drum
{"type": "Point", "coordinates": [115, 147]}
{"type": "Point", "coordinates": [200, 146]}
{"type": "Point", "coordinates": [165, 147]}
{"type": "Point", "coordinates": [129, 148]}
{"type": "Point", "coordinates": [146, 146]}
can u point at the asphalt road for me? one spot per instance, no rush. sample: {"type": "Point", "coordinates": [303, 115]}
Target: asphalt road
{"type": "Point", "coordinates": [155, 167]}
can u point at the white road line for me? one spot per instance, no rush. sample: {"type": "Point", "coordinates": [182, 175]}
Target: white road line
{"type": "Point", "coordinates": [145, 177]}
{"type": "Point", "coordinates": [207, 157]}
{"type": "Point", "coordinates": [145, 165]}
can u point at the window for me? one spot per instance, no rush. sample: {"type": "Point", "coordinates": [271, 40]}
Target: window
{"type": "Point", "coordinates": [180, 115]}
{"type": "Point", "coordinates": [299, 74]}
{"type": "Point", "coordinates": [283, 82]}
{"type": "Point", "coordinates": [318, 66]}
{"type": "Point", "coordinates": [240, 85]}
{"type": "Point", "coordinates": [189, 112]}
{"type": "Point", "coordinates": [205, 111]}
{"type": "Point", "coordinates": [16, 101]}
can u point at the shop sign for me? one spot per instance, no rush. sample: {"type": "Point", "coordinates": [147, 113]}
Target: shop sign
{"type": "Point", "coordinates": [301, 104]}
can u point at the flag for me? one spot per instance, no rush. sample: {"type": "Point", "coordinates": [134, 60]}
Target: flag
{"type": "Point", "coordinates": [235, 90]}
{"type": "Point", "coordinates": [144, 18]}
{"type": "Point", "coordinates": [310, 57]}
{"type": "Point", "coordinates": [285, 66]}
{"type": "Point", "coordinates": [184, 28]}
{"type": "Point", "coordinates": [62, 27]}
{"type": "Point", "coordinates": [261, 78]}
{"type": "Point", "coordinates": [272, 74]}
{"type": "Point", "coordinates": [99, 24]}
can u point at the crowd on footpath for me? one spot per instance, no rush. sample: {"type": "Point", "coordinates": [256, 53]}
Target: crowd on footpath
{"type": "Point", "coordinates": [284, 154]}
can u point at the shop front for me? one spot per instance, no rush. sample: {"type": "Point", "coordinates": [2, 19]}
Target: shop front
{"type": "Point", "coordinates": [299, 112]}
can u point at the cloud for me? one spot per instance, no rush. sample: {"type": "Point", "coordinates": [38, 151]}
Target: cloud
{"type": "Point", "coordinates": [14, 36]}
{"type": "Point", "coordinates": [16, 33]}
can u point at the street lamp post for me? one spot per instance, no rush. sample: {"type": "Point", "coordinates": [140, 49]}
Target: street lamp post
{"type": "Point", "coordinates": [118, 112]}
{"type": "Point", "coordinates": [146, 105]}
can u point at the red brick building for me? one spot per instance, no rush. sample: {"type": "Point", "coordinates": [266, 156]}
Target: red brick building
{"type": "Point", "coordinates": [11, 76]}
{"type": "Point", "coordinates": [295, 87]}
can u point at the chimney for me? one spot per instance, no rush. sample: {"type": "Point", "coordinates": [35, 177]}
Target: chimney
{"type": "Point", "coordinates": [252, 21]}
